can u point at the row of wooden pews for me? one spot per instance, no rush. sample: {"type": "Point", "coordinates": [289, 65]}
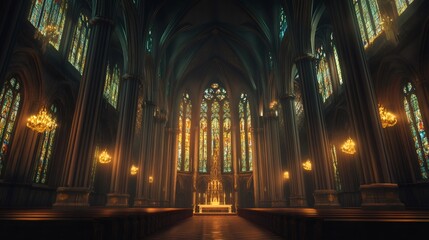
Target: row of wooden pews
{"type": "Point", "coordinates": [88, 223]}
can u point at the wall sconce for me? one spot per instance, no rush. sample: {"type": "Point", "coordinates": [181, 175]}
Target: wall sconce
{"type": "Point", "coordinates": [286, 175]}
{"type": "Point", "coordinates": [387, 118]}
{"type": "Point", "coordinates": [104, 157]}
{"type": "Point", "coordinates": [150, 179]}
{"type": "Point", "coordinates": [134, 170]}
{"type": "Point", "coordinates": [307, 165]}
{"type": "Point", "coordinates": [348, 146]}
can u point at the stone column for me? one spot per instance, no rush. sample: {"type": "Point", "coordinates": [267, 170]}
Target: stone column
{"type": "Point", "coordinates": [158, 162]}
{"type": "Point", "coordinates": [325, 194]}
{"type": "Point", "coordinates": [12, 15]}
{"type": "Point", "coordinates": [145, 162]}
{"type": "Point", "coordinates": [118, 195]}
{"type": "Point", "coordinates": [80, 149]}
{"type": "Point", "coordinates": [293, 158]}
{"type": "Point", "coordinates": [377, 189]}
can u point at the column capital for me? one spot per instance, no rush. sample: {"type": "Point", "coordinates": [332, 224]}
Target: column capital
{"type": "Point", "coordinates": [99, 19]}
{"type": "Point", "coordinates": [305, 56]}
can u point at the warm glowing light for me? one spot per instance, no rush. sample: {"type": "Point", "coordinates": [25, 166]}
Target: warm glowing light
{"type": "Point", "coordinates": [150, 179]}
{"type": "Point", "coordinates": [48, 34]}
{"type": "Point", "coordinates": [286, 175]}
{"type": "Point", "coordinates": [134, 170]}
{"type": "Point", "coordinates": [273, 104]}
{"type": "Point", "coordinates": [349, 146]}
{"type": "Point", "coordinates": [215, 85]}
{"type": "Point", "coordinates": [41, 122]}
{"type": "Point", "coordinates": [307, 165]}
{"type": "Point", "coordinates": [104, 157]}
{"type": "Point", "coordinates": [387, 118]}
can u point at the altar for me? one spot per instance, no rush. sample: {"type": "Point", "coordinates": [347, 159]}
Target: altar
{"type": "Point", "coordinates": [207, 208]}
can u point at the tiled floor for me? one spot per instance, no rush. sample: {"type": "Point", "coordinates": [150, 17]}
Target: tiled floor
{"type": "Point", "coordinates": [215, 227]}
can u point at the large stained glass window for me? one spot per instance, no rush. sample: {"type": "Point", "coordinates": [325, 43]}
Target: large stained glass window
{"type": "Point", "coordinates": [45, 152]}
{"type": "Point", "coordinates": [245, 121]}
{"type": "Point", "coordinates": [369, 20]}
{"type": "Point", "coordinates": [184, 134]}
{"type": "Point", "coordinates": [215, 128]}
{"type": "Point", "coordinates": [337, 60]}
{"type": "Point", "coordinates": [335, 165]}
{"type": "Point", "coordinates": [77, 55]}
{"type": "Point", "coordinates": [401, 5]}
{"type": "Point", "coordinates": [282, 23]}
{"type": "Point", "coordinates": [111, 86]}
{"type": "Point", "coordinates": [10, 100]}
{"type": "Point", "coordinates": [323, 75]}
{"type": "Point", "coordinates": [48, 16]}
{"type": "Point", "coordinates": [417, 128]}
{"type": "Point", "coordinates": [299, 106]}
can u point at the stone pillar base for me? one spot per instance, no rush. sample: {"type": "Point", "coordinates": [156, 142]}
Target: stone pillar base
{"type": "Point", "coordinates": [380, 196]}
{"type": "Point", "coordinates": [72, 197]}
{"type": "Point", "coordinates": [117, 200]}
{"type": "Point", "coordinates": [298, 201]}
{"type": "Point", "coordinates": [326, 198]}
{"type": "Point", "coordinates": [141, 202]}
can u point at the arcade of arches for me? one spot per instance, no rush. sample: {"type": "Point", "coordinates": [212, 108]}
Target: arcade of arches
{"type": "Point", "coordinates": [215, 103]}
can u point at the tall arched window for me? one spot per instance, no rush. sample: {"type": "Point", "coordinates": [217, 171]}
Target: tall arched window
{"type": "Point", "coordinates": [215, 128]}
{"type": "Point", "coordinates": [323, 74]}
{"type": "Point", "coordinates": [282, 23]}
{"type": "Point", "coordinates": [10, 100]}
{"type": "Point", "coordinates": [77, 55]}
{"type": "Point", "coordinates": [401, 5]}
{"type": "Point", "coordinates": [337, 60]}
{"type": "Point", "coordinates": [369, 20]}
{"type": "Point", "coordinates": [245, 119]}
{"type": "Point", "coordinates": [49, 15]}
{"type": "Point", "coordinates": [45, 152]}
{"type": "Point", "coordinates": [184, 135]}
{"type": "Point", "coordinates": [335, 165]}
{"type": "Point", "coordinates": [415, 121]}
{"type": "Point", "coordinates": [111, 86]}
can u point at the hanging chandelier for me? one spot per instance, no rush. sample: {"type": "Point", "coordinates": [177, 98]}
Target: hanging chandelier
{"type": "Point", "coordinates": [349, 146]}
{"type": "Point", "coordinates": [104, 157]}
{"type": "Point", "coordinates": [134, 170]}
{"type": "Point", "coordinates": [387, 118]}
{"type": "Point", "coordinates": [307, 165]}
{"type": "Point", "coordinates": [41, 122]}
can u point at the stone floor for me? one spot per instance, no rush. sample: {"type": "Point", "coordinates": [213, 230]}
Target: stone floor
{"type": "Point", "coordinates": [215, 227]}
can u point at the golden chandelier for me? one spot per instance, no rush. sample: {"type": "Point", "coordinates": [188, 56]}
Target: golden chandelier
{"type": "Point", "coordinates": [307, 165]}
{"type": "Point", "coordinates": [41, 122]}
{"type": "Point", "coordinates": [134, 170]}
{"type": "Point", "coordinates": [387, 118]}
{"type": "Point", "coordinates": [349, 146]}
{"type": "Point", "coordinates": [104, 157]}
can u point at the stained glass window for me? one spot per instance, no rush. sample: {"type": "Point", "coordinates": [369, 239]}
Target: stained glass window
{"type": "Point", "coordinates": [282, 23]}
{"type": "Point", "coordinates": [149, 41]}
{"type": "Point", "coordinates": [77, 55]}
{"type": "Point", "coordinates": [184, 136]}
{"type": "Point", "coordinates": [111, 86]}
{"type": "Point", "coordinates": [45, 152]}
{"type": "Point", "coordinates": [10, 100]}
{"type": "Point", "coordinates": [417, 128]}
{"type": "Point", "coordinates": [245, 131]}
{"type": "Point", "coordinates": [323, 75]}
{"type": "Point", "coordinates": [335, 165]}
{"type": "Point", "coordinates": [401, 5]}
{"type": "Point", "coordinates": [337, 60]}
{"type": "Point", "coordinates": [299, 106]}
{"type": "Point", "coordinates": [369, 20]}
{"type": "Point", "coordinates": [48, 15]}
{"type": "Point", "coordinates": [215, 128]}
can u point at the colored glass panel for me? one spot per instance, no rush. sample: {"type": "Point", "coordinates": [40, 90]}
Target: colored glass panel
{"type": "Point", "coordinates": [417, 128]}
{"type": "Point", "coordinates": [369, 20]}
{"type": "Point", "coordinates": [323, 75]}
{"type": "Point", "coordinates": [335, 165]}
{"type": "Point", "coordinates": [79, 46]}
{"type": "Point", "coordinates": [245, 134]}
{"type": "Point", "coordinates": [282, 23]}
{"type": "Point", "coordinates": [49, 13]}
{"type": "Point", "coordinates": [149, 41]}
{"type": "Point", "coordinates": [45, 152]}
{"type": "Point", "coordinates": [10, 100]}
{"type": "Point", "coordinates": [111, 85]}
{"type": "Point", "coordinates": [402, 5]}
{"type": "Point", "coordinates": [184, 135]}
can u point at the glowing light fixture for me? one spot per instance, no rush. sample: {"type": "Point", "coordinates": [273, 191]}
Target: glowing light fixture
{"type": "Point", "coordinates": [104, 157]}
{"type": "Point", "coordinates": [134, 170]}
{"type": "Point", "coordinates": [349, 146]}
{"type": "Point", "coordinates": [307, 165]}
{"type": "Point", "coordinates": [387, 118]}
{"type": "Point", "coordinates": [150, 179]}
{"type": "Point", "coordinates": [286, 175]}
{"type": "Point", "coordinates": [41, 122]}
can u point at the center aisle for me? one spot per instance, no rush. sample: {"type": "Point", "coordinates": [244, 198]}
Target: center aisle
{"type": "Point", "coordinates": [215, 227]}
